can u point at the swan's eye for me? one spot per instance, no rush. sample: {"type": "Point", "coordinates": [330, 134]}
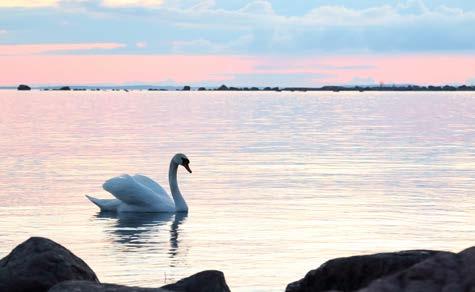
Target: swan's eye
{"type": "Point", "coordinates": [185, 161]}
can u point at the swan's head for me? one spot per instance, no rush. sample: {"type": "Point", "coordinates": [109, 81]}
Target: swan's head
{"type": "Point", "coordinates": [181, 159]}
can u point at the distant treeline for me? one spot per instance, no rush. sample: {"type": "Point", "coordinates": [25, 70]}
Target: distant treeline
{"type": "Point", "coordinates": [226, 88]}
{"type": "Point", "coordinates": [347, 88]}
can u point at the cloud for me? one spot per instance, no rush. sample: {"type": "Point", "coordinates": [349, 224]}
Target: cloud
{"type": "Point", "coordinates": [203, 26]}
{"type": "Point", "coordinates": [141, 45]}
{"type": "Point", "coordinates": [203, 46]}
{"type": "Point", "coordinates": [3, 32]}
{"type": "Point", "coordinates": [132, 3]}
{"type": "Point", "coordinates": [259, 7]}
{"type": "Point", "coordinates": [34, 49]}
{"type": "Point", "coordinates": [28, 3]}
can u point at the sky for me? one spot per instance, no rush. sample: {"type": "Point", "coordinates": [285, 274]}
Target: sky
{"type": "Point", "coordinates": [234, 42]}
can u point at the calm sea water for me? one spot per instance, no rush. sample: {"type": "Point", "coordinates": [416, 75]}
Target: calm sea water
{"type": "Point", "coordinates": [281, 181]}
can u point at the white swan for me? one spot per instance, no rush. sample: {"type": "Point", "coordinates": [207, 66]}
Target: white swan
{"type": "Point", "coordinates": [139, 193]}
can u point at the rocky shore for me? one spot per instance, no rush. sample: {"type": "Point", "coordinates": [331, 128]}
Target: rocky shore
{"type": "Point", "coordinates": [40, 264]}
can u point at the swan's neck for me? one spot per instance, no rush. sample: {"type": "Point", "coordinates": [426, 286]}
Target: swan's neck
{"type": "Point", "coordinates": [180, 204]}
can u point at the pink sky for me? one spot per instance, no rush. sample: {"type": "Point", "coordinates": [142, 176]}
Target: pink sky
{"type": "Point", "coordinates": [29, 64]}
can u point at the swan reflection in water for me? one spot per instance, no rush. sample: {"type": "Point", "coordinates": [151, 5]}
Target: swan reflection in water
{"type": "Point", "coordinates": [151, 231]}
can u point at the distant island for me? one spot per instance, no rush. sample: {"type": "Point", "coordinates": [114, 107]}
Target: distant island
{"type": "Point", "coordinates": [334, 88]}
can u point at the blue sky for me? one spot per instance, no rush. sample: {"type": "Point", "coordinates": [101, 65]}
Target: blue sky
{"type": "Point", "coordinates": [281, 29]}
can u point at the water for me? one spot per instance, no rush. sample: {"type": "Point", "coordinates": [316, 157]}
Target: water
{"type": "Point", "coordinates": [281, 181]}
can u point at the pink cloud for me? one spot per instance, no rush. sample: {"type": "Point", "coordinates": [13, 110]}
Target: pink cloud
{"type": "Point", "coordinates": [32, 49]}
{"type": "Point", "coordinates": [117, 69]}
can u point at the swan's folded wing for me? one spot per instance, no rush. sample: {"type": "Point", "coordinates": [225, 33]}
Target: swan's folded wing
{"type": "Point", "coordinates": [128, 190]}
{"type": "Point", "coordinates": [151, 184]}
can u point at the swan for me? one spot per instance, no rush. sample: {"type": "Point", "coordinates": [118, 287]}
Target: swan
{"type": "Point", "coordinates": [139, 193]}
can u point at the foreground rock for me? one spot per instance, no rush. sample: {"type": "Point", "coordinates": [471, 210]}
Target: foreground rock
{"type": "Point", "coordinates": [356, 272]}
{"type": "Point", "coordinates": [443, 272]}
{"type": "Point", "coordinates": [38, 264]}
{"type": "Point", "coordinates": [206, 281]}
{"type": "Point", "coordinates": [87, 286]}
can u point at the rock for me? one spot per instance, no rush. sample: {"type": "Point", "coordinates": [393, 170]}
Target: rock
{"type": "Point", "coordinates": [65, 88]}
{"type": "Point", "coordinates": [444, 271]}
{"type": "Point", "coordinates": [186, 88]}
{"type": "Point", "coordinates": [356, 272]}
{"type": "Point", "coordinates": [202, 89]}
{"type": "Point", "coordinates": [38, 264]}
{"type": "Point", "coordinates": [23, 87]}
{"type": "Point", "coordinates": [87, 286]}
{"type": "Point", "coordinates": [206, 281]}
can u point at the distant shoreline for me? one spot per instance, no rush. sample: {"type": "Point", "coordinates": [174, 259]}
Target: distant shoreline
{"type": "Point", "coordinates": [334, 88]}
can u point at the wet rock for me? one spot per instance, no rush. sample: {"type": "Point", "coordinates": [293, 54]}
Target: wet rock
{"type": "Point", "coordinates": [87, 286]}
{"type": "Point", "coordinates": [356, 272]}
{"type": "Point", "coordinates": [38, 264]}
{"type": "Point", "coordinates": [206, 281]}
{"type": "Point", "coordinates": [23, 87]}
{"type": "Point", "coordinates": [65, 88]}
{"type": "Point", "coordinates": [443, 272]}
{"type": "Point", "coordinates": [186, 88]}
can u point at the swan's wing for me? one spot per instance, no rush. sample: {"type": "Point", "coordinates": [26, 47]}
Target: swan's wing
{"type": "Point", "coordinates": [128, 190]}
{"type": "Point", "coordinates": [151, 184]}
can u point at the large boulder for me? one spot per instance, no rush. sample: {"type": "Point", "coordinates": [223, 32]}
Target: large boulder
{"type": "Point", "coordinates": [206, 281]}
{"type": "Point", "coordinates": [443, 272]}
{"type": "Point", "coordinates": [87, 286]}
{"type": "Point", "coordinates": [23, 87]}
{"type": "Point", "coordinates": [356, 272]}
{"type": "Point", "coordinates": [38, 264]}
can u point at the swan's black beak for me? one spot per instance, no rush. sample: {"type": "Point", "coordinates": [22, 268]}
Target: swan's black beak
{"type": "Point", "coordinates": [187, 166]}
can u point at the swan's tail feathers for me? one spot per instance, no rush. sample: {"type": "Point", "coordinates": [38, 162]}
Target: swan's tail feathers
{"type": "Point", "coordinates": [109, 205]}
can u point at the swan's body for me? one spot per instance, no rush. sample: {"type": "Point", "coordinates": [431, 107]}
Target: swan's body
{"type": "Point", "coordinates": [139, 193]}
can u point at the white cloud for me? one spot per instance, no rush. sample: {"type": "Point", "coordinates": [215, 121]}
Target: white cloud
{"type": "Point", "coordinates": [132, 3]}
{"type": "Point", "coordinates": [141, 45]}
{"type": "Point", "coordinates": [206, 46]}
{"type": "Point", "coordinates": [3, 31]}
{"type": "Point", "coordinates": [34, 49]}
{"type": "Point", "coordinates": [28, 3]}
{"type": "Point", "coordinates": [258, 7]}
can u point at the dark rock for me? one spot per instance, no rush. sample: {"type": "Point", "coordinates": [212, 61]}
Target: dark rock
{"type": "Point", "coordinates": [222, 87]}
{"type": "Point", "coordinates": [38, 264]}
{"type": "Point", "coordinates": [186, 88]}
{"type": "Point", "coordinates": [87, 286]}
{"type": "Point", "coordinates": [65, 88]}
{"type": "Point", "coordinates": [444, 271]}
{"type": "Point", "coordinates": [356, 272]}
{"type": "Point", "coordinates": [206, 281]}
{"type": "Point", "coordinates": [201, 89]}
{"type": "Point", "coordinates": [23, 87]}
